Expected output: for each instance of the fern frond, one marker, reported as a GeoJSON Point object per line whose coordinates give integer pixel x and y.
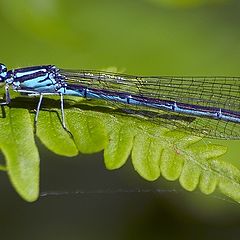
{"type": "Point", "coordinates": [155, 150]}
{"type": "Point", "coordinates": [18, 146]}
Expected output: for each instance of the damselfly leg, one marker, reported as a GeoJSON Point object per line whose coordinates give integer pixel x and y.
{"type": "Point", "coordinates": [37, 111]}
{"type": "Point", "coordinates": [7, 96]}
{"type": "Point", "coordinates": [62, 111]}
{"type": "Point", "coordinates": [39, 107]}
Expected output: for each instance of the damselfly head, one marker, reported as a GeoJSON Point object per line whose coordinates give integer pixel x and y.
{"type": "Point", "coordinates": [3, 72]}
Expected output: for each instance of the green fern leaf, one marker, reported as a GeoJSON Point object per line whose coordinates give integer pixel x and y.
{"type": "Point", "coordinates": [88, 131]}
{"type": "Point", "coordinates": [52, 134]}
{"type": "Point", "coordinates": [18, 146]}
{"type": "Point", "coordinates": [155, 151]}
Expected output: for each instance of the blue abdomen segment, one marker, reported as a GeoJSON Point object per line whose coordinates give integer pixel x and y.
{"type": "Point", "coordinates": [125, 98]}
{"type": "Point", "coordinates": [73, 90]}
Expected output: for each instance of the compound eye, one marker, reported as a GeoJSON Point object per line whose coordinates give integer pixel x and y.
{"type": "Point", "coordinates": [3, 71]}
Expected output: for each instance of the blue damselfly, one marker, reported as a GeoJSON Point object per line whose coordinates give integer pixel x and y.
{"type": "Point", "coordinates": [206, 106]}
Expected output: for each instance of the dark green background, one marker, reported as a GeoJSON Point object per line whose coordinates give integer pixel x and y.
{"type": "Point", "coordinates": [156, 37]}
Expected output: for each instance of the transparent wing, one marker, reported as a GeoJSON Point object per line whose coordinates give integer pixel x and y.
{"type": "Point", "coordinates": [218, 92]}
{"type": "Point", "coordinates": [204, 127]}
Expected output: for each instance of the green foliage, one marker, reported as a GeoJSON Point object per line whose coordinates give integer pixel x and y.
{"type": "Point", "coordinates": [51, 133]}
{"type": "Point", "coordinates": [92, 127]}
{"type": "Point", "coordinates": [187, 3]}
{"type": "Point", "coordinates": [21, 154]}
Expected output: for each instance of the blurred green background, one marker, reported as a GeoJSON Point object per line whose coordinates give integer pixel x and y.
{"type": "Point", "coordinates": [156, 37]}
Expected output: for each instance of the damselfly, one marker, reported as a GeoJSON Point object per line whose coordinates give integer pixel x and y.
{"type": "Point", "coordinates": [207, 106]}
